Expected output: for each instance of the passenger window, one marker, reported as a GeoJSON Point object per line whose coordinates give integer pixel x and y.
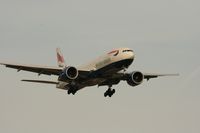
{"type": "Point", "coordinates": [127, 51]}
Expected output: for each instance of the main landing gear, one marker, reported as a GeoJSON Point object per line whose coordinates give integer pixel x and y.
{"type": "Point", "coordinates": [109, 92]}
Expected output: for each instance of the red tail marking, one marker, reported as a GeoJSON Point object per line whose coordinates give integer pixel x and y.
{"type": "Point", "coordinates": [60, 58]}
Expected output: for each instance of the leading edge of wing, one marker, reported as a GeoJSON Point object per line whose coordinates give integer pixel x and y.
{"type": "Point", "coordinates": [7, 64]}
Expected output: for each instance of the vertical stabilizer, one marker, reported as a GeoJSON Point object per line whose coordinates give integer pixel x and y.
{"type": "Point", "coordinates": [60, 58]}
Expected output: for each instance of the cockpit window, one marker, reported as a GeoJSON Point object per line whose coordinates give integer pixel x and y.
{"type": "Point", "coordinates": [127, 51]}
{"type": "Point", "coordinates": [115, 52]}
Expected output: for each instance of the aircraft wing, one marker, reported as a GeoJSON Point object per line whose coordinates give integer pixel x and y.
{"type": "Point", "coordinates": [47, 70]}
{"type": "Point", "coordinates": [117, 77]}
{"type": "Point", "coordinates": [150, 76]}
{"type": "Point", "coordinates": [124, 76]}
{"type": "Point", "coordinates": [35, 68]}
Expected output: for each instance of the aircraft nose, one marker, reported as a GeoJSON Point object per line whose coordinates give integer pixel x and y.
{"type": "Point", "coordinates": [132, 55]}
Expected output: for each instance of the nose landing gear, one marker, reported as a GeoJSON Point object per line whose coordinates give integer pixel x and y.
{"type": "Point", "coordinates": [72, 91]}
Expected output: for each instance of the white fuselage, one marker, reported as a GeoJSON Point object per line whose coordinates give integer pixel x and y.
{"type": "Point", "coordinates": [114, 56]}
{"type": "Point", "coordinates": [112, 62]}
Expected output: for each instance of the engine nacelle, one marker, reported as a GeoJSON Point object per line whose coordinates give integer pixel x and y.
{"type": "Point", "coordinates": [136, 78]}
{"type": "Point", "coordinates": [69, 73]}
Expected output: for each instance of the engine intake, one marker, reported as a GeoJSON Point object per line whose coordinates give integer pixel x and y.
{"type": "Point", "coordinates": [136, 78]}
{"type": "Point", "coordinates": [71, 72]}
{"type": "Point", "coordinates": [68, 74]}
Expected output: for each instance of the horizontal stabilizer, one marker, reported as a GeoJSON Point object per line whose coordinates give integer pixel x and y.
{"type": "Point", "coordinates": [41, 81]}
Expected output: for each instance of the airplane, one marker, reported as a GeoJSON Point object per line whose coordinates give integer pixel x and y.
{"type": "Point", "coordinates": [107, 70]}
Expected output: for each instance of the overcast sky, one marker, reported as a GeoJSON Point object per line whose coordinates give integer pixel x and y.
{"type": "Point", "coordinates": [165, 35]}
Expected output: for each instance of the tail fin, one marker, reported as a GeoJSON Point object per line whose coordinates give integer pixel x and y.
{"type": "Point", "coordinates": [60, 58]}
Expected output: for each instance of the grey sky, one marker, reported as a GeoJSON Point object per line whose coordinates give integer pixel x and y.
{"type": "Point", "coordinates": [163, 33]}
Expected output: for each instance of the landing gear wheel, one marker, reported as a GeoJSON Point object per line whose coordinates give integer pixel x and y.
{"type": "Point", "coordinates": [105, 94]}
{"type": "Point", "coordinates": [113, 91]}
{"type": "Point", "coordinates": [110, 95]}
{"type": "Point", "coordinates": [69, 92]}
{"type": "Point", "coordinates": [72, 91]}
{"type": "Point", "coordinates": [109, 92]}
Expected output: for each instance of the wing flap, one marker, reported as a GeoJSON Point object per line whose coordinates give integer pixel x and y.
{"type": "Point", "coordinates": [40, 81]}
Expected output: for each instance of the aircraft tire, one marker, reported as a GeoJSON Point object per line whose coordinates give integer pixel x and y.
{"type": "Point", "coordinates": [105, 94]}
{"type": "Point", "coordinates": [74, 92]}
{"type": "Point", "coordinates": [113, 91]}
{"type": "Point", "coordinates": [69, 92]}
{"type": "Point", "coordinates": [110, 95]}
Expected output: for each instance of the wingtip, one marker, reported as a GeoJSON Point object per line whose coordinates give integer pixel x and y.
{"type": "Point", "coordinates": [177, 74]}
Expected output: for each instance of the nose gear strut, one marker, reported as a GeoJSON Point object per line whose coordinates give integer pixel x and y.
{"type": "Point", "coordinates": [72, 90]}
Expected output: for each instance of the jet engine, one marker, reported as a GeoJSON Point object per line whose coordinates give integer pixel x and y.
{"type": "Point", "coordinates": [135, 78]}
{"type": "Point", "coordinates": [69, 73]}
